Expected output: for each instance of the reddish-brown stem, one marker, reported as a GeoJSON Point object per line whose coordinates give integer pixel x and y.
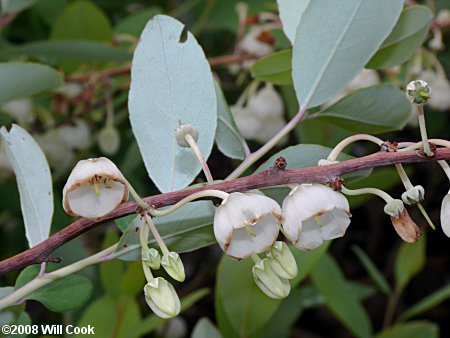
{"type": "Point", "coordinates": [125, 69]}
{"type": "Point", "coordinates": [271, 177]}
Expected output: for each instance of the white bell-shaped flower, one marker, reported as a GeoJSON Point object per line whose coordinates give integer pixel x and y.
{"type": "Point", "coordinates": [445, 214]}
{"type": "Point", "coordinates": [94, 188]}
{"type": "Point", "coordinates": [254, 42]}
{"type": "Point", "coordinates": [246, 223]}
{"type": "Point", "coordinates": [162, 298]}
{"type": "Point", "coordinates": [267, 103]}
{"type": "Point", "coordinates": [313, 213]}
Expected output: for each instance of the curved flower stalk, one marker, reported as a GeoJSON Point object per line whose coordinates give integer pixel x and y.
{"type": "Point", "coordinates": [313, 213]}
{"type": "Point", "coordinates": [246, 223]}
{"type": "Point", "coordinates": [94, 188]}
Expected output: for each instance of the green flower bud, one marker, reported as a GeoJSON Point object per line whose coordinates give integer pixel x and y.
{"type": "Point", "coordinates": [414, 195]}
{"type": "Point", "coordinates": [109, 140]}
{"type": "Point", "coordinates": [418, 92]}
{"type": "Point", "coordinates": [269, 282]}
{"type": "Point", "coordinates": [394, 208]}
{"type": "Point", "coordinates": [152, 258]}
{"type": "Point", "coordinates": [173, 265]}
{"type": "Point", "coordinates": [162, 298]}
{"type": "Point", "coordinates": [282, 261]}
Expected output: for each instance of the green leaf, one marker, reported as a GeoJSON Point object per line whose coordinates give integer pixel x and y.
{"type": "Point", "coordinates": [223, 322]}
{"type": "Point", "coordinates": [290, 14]}
{"type": "Point", "coordinates": [79, 50]}
{"type": "Point", "coordinates": [48, 10]}
{"type": "Point", "coordinates": [410, 260]}
{"type": "Point", "coordinates": [111, 272]}
{"type": "Point", "coordinates": [205, 329]}
{"type": "Point", "coordinates": [60, 295]}
{"type": "Point", "coordinates": [374, 110]}
{"type": "Point", "coordinates": [178, 75]}
{"type": "Point", "coordinates": [82, 20]}
{"type": "Point", "coordinates": [134, 24]}
{"type": "Point", "coordinates": [327, 56]}
{"type": "Point", "coordinates": [188, 228]}
{"type": "Point", "coordinates": [34, 181]}
{"type": "Point", "coordinates": [228, 138]}
{"type": "Point", "coordinates": [275, 68]}
{"type": "Point", "coordinates": [418, 329]}
{"type": "Point", "coordinates": [111, 318]}
{"type": "Point", "coordinates": [427, 303]}
{"type": "Point", "coordinates": [245, 306]}
{"type": "Point", "coordinates": [372, 270]}
{"type": "Point", "coordinates": [308, 155]}
{"type": "Point", "coordinates": [152, 322]}
{"type": "Point", "coordinates": [133, 279]}
{"type": "Point", "coordinates": [408, 35]}
{"type": "Point", "coordinates": [330, 281]}
{"type": "Point", "coordinates": [26, 79]}
{"type": "Point", "coordinates": [307, 260]}
{"type": "Point", "coordinates": [15, 6]}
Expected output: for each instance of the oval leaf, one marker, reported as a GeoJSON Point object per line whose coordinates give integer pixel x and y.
{"type": "Point", "coordinates": [187, 229]}
{"type": "Point", "coordinates": [171, 81]}
{"type": "Point", "coordinates": [410, 260]}
{"type": "Point", "coordinates": [376, 109]}
{"type": "Point", "coordinates": [204, 328]}
{"type": "Point", "coordinates": [34, 181]}
{"type": "Point", "coordinates": [335, 40]}
{"type": "Point", "coordinates": [407, 35]}
{"type": "Point", "coordinates": [26, 79]}
{"type": "Point", "coordinates": [417, 329]}
{"type": "Point", "coordinates": [275, 68]}
{"type": "Point", "coordinates": [328, 278]}
{"type": "Point", "coordinates": [245, 306]}
{"type": "Point", "coordinates": [60, 295]}
{"type": "Point", "coordinates": [290, 14]}
{"type": "Point", "coordinates": [229, 139]}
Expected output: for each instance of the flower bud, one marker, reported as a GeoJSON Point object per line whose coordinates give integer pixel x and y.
{"type": "Point", "coordinates": [418, 92]}
{"type": "Point", "coordinates": [173, 265]}
{"type": "Point", "coordinates": [152, 258]}
{"type": "Point", "coordinates": [269, 282]}
{"type": "Point", "coordinates": [414, 195]}
{"type": "Point", "coordinates": [162, 298]}
{"type": "Point", "coordinates": [109, 140]}
{"type": "Point", "coordinates": [282, 261]}
{"type": "Point", "coordinates": [182, 131]}
{"type": "Point", "coordinates": [394, 208]}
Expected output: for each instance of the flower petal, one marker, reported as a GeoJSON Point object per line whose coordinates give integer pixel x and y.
{"type": "Point", "coordinates": [445, 214]}
{"type": "Point", "coordinates": [310, 236]}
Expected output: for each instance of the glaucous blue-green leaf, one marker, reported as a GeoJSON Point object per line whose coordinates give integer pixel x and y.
{"type": "Point", "coordinates": [376, 109]}
{"type": "Point", "coordinates": [228, 137]}
{"type": "Point", "coordinates": [410, 260]}
{"type": "Point", "coordinates": [334, 40]}
{"type": "Point", "coordinates": [329, 280]}
{"type": "Point", "coordinates": [187, 229]}
{"type": "Point", "coordinates": [408, 35]}
{"type": "Point", "coordinates": [427, 303]}
{"type": "Point", "coordinates": [15, 6]}
{"type": "Point", "coordinates": [245, 306]}
{"type": "Point", "coordinates": [80, 50]}
{"type": "Point", "coordinates": [275, 68]}
{"type": "Point", "coordinates": [171, 81]}
{"type": "Point", "coordinates": [18, 80]}
{"type": "Point", "coordinates": [134, 24]}
{"type": "Point", "coordinates": [205, 329]}
{"type": "Point", "coordinates": [290, 14]}
{"type": "Point", "coordinates": [34, 181]}
{"type": "Point", "coordinates": [308, 155]}
{"type": "Point", "coordinates": [372, 270]}
{"type": "Point", "coordinates": [82, 20]}
{"type": "Point", "coordinates": [416, 329]}
{"type": "Point", "coordinates": [60, 295]}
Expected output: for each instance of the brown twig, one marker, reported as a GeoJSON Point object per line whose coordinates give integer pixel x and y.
{"type": "Point", "coordinates": [125, 69]}
{"type": "Point", "coordinates": [270, 177]}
